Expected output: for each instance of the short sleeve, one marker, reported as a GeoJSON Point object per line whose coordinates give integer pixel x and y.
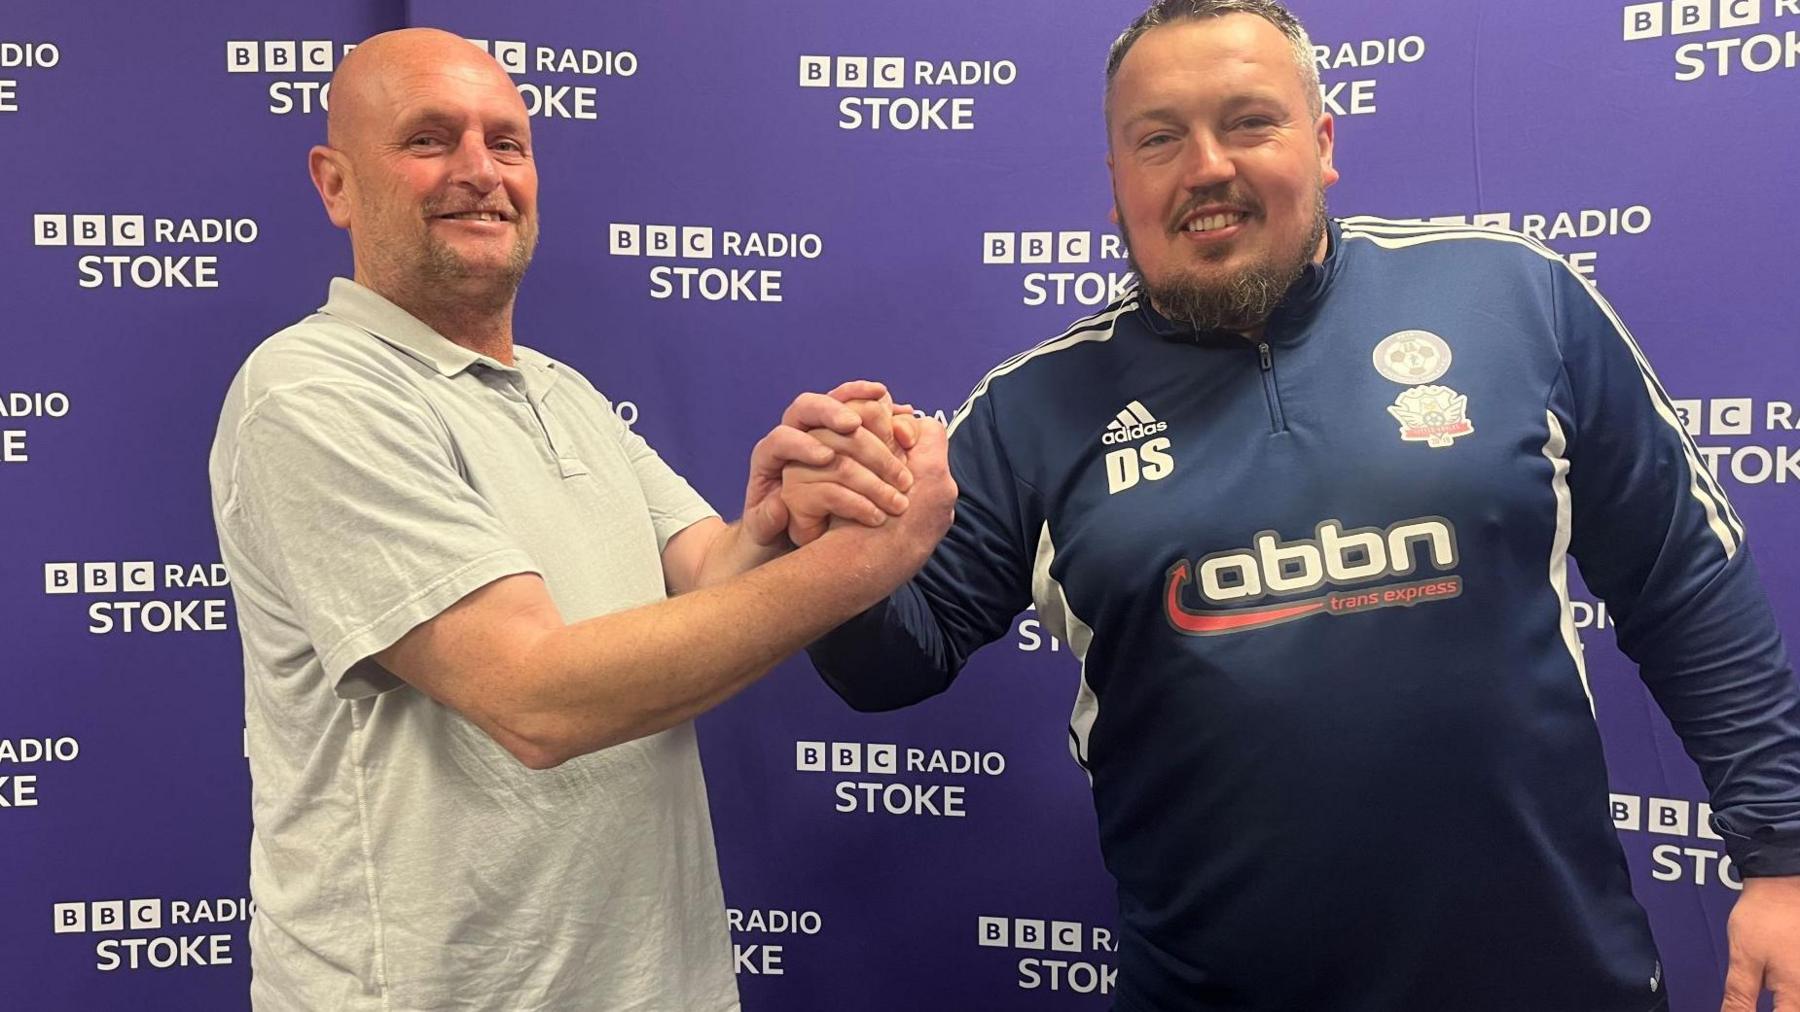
{"type": "Point", "coordinates": [674, 505]}
{"type": "Point", "coordinates": [350, 500]}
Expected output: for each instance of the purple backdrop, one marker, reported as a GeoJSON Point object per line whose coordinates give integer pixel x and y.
{"type": "Point", "coordinates": [157, 223]}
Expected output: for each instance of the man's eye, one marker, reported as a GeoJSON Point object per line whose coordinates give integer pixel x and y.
{"type": "Point", "coordinates": [1157, 139]}
{"type": "Point", "coordinates": [422, 141]}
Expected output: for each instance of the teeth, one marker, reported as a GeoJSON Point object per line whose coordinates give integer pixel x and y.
{"type": "Point", "coordinates": [1214, 222]}
{"type": "Point", "coordinates": [477, 216]}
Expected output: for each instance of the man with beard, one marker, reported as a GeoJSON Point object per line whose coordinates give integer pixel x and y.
{"type": "Point", "coordinates": [1302, 505]}
{"type": "Point", "coordinates": [479, 614]}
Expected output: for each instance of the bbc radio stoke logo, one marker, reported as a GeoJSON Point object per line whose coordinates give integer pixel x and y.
{"type": "Point", "coordinates": [286, 59]}
{"type": "Point", "coordinates": [1690, 862]}
{"type": "Point", "coordinates": [1753, 456]}
{"type": "Point", "coordinates": [1070, 262]}
{"type": "Point", "coordinates": [17, 56]}
{"type": "Point", "coordinates": [1569, 230]}
{"type": "Point", "coordinates": [142, 270]}
{"type": "Point", "coordinates": [543, 98]}
{"type": "Point", "coordinates": [1056, 955]}
{"type": "Point", "coordinates": [17, 407]}
{"type": "Point", "coordinates": [764, 958]}
{"type": "Point", "coordinates": [858, 794]}
{"type": "Point", "coordinates": [868, 77]}
{"type": "Point", "coordinates": [746, 275]}
{"type": "Point", "coordinates": [1743, 51]}
{"type": "Point", "coordinates": [559, 100]}
{"type": "Point", "coordinates": [22, 790]}
{"type": "Point", "coordinates": [1357, 97]}
{"type": "Point", "coordinates": [142, 577]}
{"type": "Point", "coordinates": [169, 948]}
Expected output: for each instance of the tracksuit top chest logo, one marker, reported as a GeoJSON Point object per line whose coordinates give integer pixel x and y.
{"type": "Point", "coordinates": [1148, 460]}
{"type": "Point", "coordinates": [1334, 556]}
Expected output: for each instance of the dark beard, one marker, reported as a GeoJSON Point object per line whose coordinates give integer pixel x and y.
{"type": "Point", "coordinates": [1243, 301]}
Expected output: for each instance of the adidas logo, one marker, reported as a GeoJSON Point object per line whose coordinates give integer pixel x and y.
{"type": "Point", "coordinates": [1132, 423]}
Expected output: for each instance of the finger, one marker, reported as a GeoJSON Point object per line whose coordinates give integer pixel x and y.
{"type": "Point", "coordinates": [931, 453]}
{"type": "Point", "coordinates": [813, 411]}
{"type": "Point", "coordinates": [822, 500]}
{"type": "Point", "coordinates": [877, 417]}
{"type": "Point", "coordinates": [1743, 983]}
{"type": "Point", "coordinates": [906, 430]}
{"type": "Point", "coordinates": [766, 520]}
{"type": "Point", "coordinates": [854, 477]}
{"type": "Point", "coordinates": [860, 390]}
{"type": "Point", "coordinates": [804, 532]}
{"type": "Point", "coordinates": [786, 445]}
{"type": "Point", "coordinates": [864, 447]}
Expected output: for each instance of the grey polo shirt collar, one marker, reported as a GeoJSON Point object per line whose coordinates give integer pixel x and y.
{"type": "Point", "coordinates": [364, 309]}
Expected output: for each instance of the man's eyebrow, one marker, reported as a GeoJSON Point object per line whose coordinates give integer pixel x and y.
{"type": "Point", "coordinates": [434, 117]}
{"type": "Point", "coordinates": [427, 117]}
{"type": "Point", "coordinates": [1159, 114]}
{"type": "Point", "coordinates": [1258, 97]}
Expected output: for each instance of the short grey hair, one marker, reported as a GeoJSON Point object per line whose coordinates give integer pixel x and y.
{"type": "Point", "coordinates": [1163, 12]}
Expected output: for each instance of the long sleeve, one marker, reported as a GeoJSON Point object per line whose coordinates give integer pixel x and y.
{"type": "Point", "coordinates": [1657, 539]}
{"type": "Point", "coordinates": [912, 645]}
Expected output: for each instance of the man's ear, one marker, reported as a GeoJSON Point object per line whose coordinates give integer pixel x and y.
{"type": "Point", "coordinates": [331, 176]}
{"type": "Point", "coordinates": [1327, 136]}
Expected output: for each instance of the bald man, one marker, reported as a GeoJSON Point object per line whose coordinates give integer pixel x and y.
{"type": "Point", "coordinates": [479, 614]}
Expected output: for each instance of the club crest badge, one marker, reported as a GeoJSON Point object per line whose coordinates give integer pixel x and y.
{"type": "Point", "coordinates": [1412, 357]}
{"type": "Point", "coordinates": [1433, 415]}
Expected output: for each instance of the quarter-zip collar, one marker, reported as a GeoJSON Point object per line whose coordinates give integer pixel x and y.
{"type": "Point", "coordinates": [1302, 300]}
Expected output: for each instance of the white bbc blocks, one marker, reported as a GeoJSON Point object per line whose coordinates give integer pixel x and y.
{"type": "Point", "coordinates": [1037, 247]}
{"type": "Point", "coordinates": [1029, 933]}
{"type": "Point", "coordinates": [286, 56]}
{"type": "Point", "coordinates": [99, 577]}
{"type": "Point", "coordinates": [107, 915]}
{"type": "Point", "coordinates": [853, 72]}
{"type": "Point", "coordinates": [87, 230]}
{"type": "Point", "coordinates": [845, 757]}
{"type": "Point", "coordinates": [1689, 17]}
{"type": "Point", "coordinates": [687, 242]}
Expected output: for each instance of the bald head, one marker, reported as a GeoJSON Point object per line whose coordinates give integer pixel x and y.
{"type": "Point", "coordinates": [429, 167]}
{"type": "Point", "coordinates": [388, 68]}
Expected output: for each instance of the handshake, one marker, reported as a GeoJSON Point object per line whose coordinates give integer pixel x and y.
{"type": "Point", "coordinates": [852, 459]}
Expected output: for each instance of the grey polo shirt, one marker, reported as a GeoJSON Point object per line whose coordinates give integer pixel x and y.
{"type": "Point", "coordinates": [367, 473]}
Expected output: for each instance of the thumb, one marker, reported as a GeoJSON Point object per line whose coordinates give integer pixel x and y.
{"type": "Point", "coordinates": [767, 520]}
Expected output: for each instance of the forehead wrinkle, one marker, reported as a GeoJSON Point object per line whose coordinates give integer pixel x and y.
{"type": "Point", "coordinates": [383, 72]}
{"type": "Point", "coordinates": [1229, 48]}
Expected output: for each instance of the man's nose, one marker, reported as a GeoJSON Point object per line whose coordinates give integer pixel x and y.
{"type": "Point", "coordinates": [473, 165]}
{"type": "Point", "coordinates": [1206, 162]}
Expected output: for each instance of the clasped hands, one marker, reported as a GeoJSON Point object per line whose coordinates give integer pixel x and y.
{"type": "Point", "coordinates": [851, 457]}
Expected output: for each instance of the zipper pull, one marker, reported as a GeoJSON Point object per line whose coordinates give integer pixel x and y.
{"type": "Point", "coordinates": [1268, 360]}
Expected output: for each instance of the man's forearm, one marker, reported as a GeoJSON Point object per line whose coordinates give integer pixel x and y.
{"type": "Point", "coordinates": [614, 678]}
{"type": "Point", "coordinates": [733, 552]}
{"type": "Point", "coordinates": [893, 654]}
